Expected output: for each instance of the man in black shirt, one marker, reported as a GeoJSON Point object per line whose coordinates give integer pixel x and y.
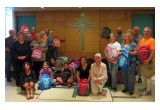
{"type": "Point", "coordinates": [8, 42]}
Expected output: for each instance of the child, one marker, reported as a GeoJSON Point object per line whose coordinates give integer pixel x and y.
{"type": "Point", "coordinates": [66, 75]}
{"type": "Point", "coordinates": [52, 64]}
{"type": "Point", "coordinates": [28, 80]}
{"type": "Point", "coordinates": [46, 70]}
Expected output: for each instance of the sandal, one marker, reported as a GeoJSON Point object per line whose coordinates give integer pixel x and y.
{"type": "Point", "coordinates": [103, 93]}
{"type": "Point", "coordinates": [28, 97]}
{"type": "Point", "coordinates": [32, 96]}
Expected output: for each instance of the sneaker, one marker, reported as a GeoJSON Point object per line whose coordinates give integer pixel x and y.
{"type": "Point", "coordinates": [142, 89]}
{"type": "Point", "coordinates": [145, 93]}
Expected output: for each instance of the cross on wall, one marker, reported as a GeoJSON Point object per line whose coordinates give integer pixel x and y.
{"type": "Point", "coordinates": [82, 25]}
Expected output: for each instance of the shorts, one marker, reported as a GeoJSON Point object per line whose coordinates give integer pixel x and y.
{"type": "Point", "coordinates": [147, 70]}
{"type": "Point", "coordinates": [28, 80]}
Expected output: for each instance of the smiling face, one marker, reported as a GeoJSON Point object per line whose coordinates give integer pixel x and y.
{"type": "Point", "coordinates": [83, 61]}
{"type": "Point", "coordinates": [97, 60]}
{"type": "Point", "coordinates": [20, 37]}
{"type": "Point", "coordinates": [147, 32]}
{"type": "Point", "coordinates": [45, 66]}
{"type": "Point", "coordinates": [27, 67]}
{"type": "Point", "coordinates": [112, 38]}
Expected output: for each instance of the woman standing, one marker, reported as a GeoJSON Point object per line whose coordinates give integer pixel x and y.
{"type": "Point", "coordinates": [21, 52]}
{"type": "Point", "coordinates": [116, 47]}
{"type": "Point", "coordinates": [40, 45]}
{"type": "Point", "coordinates": [129, 75]}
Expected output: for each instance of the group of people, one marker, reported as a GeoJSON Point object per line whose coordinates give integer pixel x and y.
{"type": "Point", "coordinates": [28, 71]}
{"type": "Point", "coordinates": [131, 42]}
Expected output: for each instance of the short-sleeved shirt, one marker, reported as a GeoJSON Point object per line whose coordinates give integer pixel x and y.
{"type": "Point", "coordinates": [115, 46]}
{"type": "Point", "coordinates": [35, 43]}
{"type": "Point", "coordinates": [49, 72]}
{"type": "Point", "coordinates": [149, 42]}
{"type": "Point", "coordinates": [130, 48]}
{"type": "Point", "coordinates": [84, 73]}
{"type": "Point", "coordinates": [137, 39]}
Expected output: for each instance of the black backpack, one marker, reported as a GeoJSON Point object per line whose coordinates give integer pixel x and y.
{"type": "Point", "coordinates": [106, 33]}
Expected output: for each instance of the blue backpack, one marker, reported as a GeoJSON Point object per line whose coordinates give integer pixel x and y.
{"type": "Point", "coordinates": [106, 33]}
{"type": "Point", "coordinates": [123, 61]}
{"type": "Point", "coordinates": [45, 82]}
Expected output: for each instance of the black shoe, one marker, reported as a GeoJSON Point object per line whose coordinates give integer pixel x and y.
{"type": "Point", "coordinates": [124, 91]}
{"type": "Point", "coordinates": [131, 93]}
{"type": "Point", "coordinates": [114, 89]}
{"type": "Point", "coordinates": [9, 80]}
{"type": "Point", "coordinates": [18, 84]}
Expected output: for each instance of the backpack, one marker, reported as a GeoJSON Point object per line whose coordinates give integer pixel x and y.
{"type": "Point", "coordinates": [64, 58]}
{"type": "Point", "coordinates": [143, 53]}
{"type": "Point", "coordinates": [106, 33]}
{"type": "Point", "coordinates": [59, 63]}
{"type": "Point", "coordinates": [36, 54]}
{"type": "Point", "coordinates": [90, 61]}
{"type": "Point", "coordinates": [65, 75]}
{"type": "Point", "coordinates": [83, 87]}
{"type": "Point", "coordinates": [123, 61]}
{"type": "Point", "coordinates": [45, 82]}
{"type": "Point", "coordinates": [108, 51]}
{"type": "Point", "coordinates": [56, 42]}
{"type": "Point", "coordinates": [23, 27]}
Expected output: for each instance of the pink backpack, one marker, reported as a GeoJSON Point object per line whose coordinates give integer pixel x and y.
{"type": "Point", "coordinates": [23, 27]}
{"type": "Point", "coordinates": [143, 53]}
{"type": "Point", "coordinates": [108, 51]}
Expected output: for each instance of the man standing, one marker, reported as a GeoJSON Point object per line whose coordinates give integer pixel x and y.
{"type": "Point", "coordinates": [147, 69]}
{"type": "Point", "coordinates": [136, 36]}
{"type": "Point", "coordinates": [8, 42]}
{"type": "Point", "coordinates": [119, 37]}
{"type": "Point", "coordinates": [33, 33]}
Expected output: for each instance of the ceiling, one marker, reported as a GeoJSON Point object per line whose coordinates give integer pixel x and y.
{"type": "Point", "coordinates": [14, 9]}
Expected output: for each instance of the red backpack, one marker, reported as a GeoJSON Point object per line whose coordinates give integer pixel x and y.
{"type": "Point", "coordinates": [37, 54]}
{"type": "Point", "coordinates": [83, 87]}
{"type": "Point", "coordinates": [143, 53]}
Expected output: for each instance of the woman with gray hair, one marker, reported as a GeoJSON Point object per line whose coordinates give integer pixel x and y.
{"type": "Point", "coordinates": [115, 47]}
{"type": "Point", "coordinates": [98, 75]}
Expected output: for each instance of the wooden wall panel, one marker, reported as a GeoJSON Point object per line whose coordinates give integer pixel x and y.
{"type": "Point", "coordinates": [44, 16]}
{"type": "Point", "coordinates": [41, 25]}
{"type": "Point", "coordinates": [59, 16]}
{"type": "Point", "coordinates": [112, 15]}
{"type": "Point", "coordinates": [59, 22]}
{"type": "Point", "coordinates": [59, 29]}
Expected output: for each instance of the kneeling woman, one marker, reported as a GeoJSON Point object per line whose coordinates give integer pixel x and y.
{"type": "Point", "coordinates": [28, 80]}
{"type": "Point", "coordinates": [66, 77]}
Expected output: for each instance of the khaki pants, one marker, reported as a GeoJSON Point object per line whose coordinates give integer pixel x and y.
{"type": "Point", "coordinates": [147, 70]}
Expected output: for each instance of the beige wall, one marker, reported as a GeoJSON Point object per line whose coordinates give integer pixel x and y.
{"type": "Point", "coordinates": [71, 41]}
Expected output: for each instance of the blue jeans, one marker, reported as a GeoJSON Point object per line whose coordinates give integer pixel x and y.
{"type": "Point", "coordinates": [129, 77]}
{"type": "Point", "coordinates": [7, 65]}
{"type": "Point", "coordinates": [113, 71]}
